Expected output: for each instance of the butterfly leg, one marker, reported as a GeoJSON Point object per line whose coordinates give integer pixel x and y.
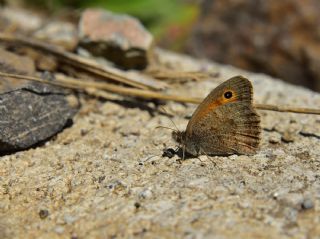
{"type": "Point", "coordinates": [204, 152]}
{"type": "Point", "coordinates": [183, 152]}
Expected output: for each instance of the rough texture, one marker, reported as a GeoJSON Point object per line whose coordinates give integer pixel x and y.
{"type": "Point", "coordinates": [63, 34]}
{"type": "Point", "coordinates": [30, 115]}
{"type": "Point", "coordinates": [30, 112]}
{"type": "Point", "coordinates": [14, 64]}
{"type": "Point", "coordinates": [280, 38]}
{"type": "Point", "coordinates": [105, 177]}
{"type": "Point", "coordinates": [121, 39]}
{"type": "Point", "coordinates": [19, 20]}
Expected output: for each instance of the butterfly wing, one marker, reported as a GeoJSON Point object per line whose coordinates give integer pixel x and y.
{"type": "Point", "coordinates": [225, 122]}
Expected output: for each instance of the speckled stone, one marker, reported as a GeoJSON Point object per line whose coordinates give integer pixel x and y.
{"type": "Point", "coordinates": [145, 195]}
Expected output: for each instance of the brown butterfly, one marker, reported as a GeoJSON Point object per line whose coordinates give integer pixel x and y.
{"type": "Point", "coordinates": [224, 123]}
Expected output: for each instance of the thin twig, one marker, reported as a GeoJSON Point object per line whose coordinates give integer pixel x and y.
{"type": "Point", "coordinates": [291, 109]}
{"type": "Point", "coordinates": [73, 83]}
{"type": "Point", "coordinates": [77, 61]}
{"type": "Point", "coordinates": [171, 75]}
{"type": "Point", "coordinates": [147, 94]}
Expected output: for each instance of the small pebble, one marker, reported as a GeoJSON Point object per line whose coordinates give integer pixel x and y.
{"type": "Point", "coordinates": [244, 204]}
{"type": "Point", "coordinates": [43, 213]}
{"type": "Point", "coordinates": [307, 204]}
{"type": "Point", "coordinates": [59, 229]}
{"type": "Point", "coordinates": [275, 138]}
{"type": "Point", "coordinates": [146, 194]}
{"type": "Point", "coordinates": [69, 219]}
{"type": "Point", "coordinates": [288, 137]}
{"type": "Point", "coordinates": [137, 205]}
{"type": "Point", "coordinates": [84, 132]}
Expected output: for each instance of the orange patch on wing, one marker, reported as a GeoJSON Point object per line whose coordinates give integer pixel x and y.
{"type": "Point", "coordinates": [214, 104]}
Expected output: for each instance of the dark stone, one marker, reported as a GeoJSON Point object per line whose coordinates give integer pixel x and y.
{"type": "Point", "coordinates": [43, 213]}
{"type": "Point", "coordinates": [137, 205]}
{"type": "Point", "coordinates": [32, 114]}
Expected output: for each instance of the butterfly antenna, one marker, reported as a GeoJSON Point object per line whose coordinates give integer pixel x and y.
{"type": "Point", "coordinates": [164, 110]}
{"type": "Point", "coordinates": [174, 124]}
{"type": "Point", "coordinates": [164, 127]}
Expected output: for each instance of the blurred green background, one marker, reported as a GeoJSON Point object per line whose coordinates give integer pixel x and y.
{"type": "Point", "coordinates": [170, 21]}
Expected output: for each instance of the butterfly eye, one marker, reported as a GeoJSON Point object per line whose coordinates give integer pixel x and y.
{"type": "Point", "coordinates": [228, 94]}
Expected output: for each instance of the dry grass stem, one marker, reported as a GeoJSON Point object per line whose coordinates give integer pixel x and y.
{"type": "Point", "coordinates": [77, 61]}
{"type": "Point", "coordinates": [96, 89]}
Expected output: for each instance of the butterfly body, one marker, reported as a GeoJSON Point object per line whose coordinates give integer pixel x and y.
{"type": "Point", "coordinates": [224, 123]}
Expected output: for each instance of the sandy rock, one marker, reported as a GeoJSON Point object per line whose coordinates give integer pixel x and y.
{"type": "Point", "coordinates": [273, 194]}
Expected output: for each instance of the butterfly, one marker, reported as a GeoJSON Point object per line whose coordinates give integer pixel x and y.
{"type": "Point", "coordinates": [224, 123]}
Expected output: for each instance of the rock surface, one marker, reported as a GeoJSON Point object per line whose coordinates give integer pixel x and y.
{"type": "Point", "coordinates": [104, 177]}
{"type": "Point", "coordinates": [121, 39]}
{"type": "Point", "coordinates": [20, 20]}
{"type": "Point", "coordinates": [30, 112]}
{"type": "Point", "coordinates": [63, 34]}
{"type": "Point", "coordinates": [14, 64]}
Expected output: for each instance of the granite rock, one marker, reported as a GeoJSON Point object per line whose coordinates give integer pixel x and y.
{"type": "Point", "coordinates": [145, 195]}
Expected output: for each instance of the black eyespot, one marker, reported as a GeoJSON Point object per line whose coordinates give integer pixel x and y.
{"type": "Point", "coordinates": [228, 94]}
